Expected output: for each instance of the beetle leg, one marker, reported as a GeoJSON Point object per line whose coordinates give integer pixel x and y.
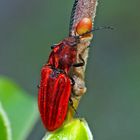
{"type": "Point", "coordinates": [72, 84]}
{"type": "Point", "coordinates": [80, 64]}
{"type": "Point", "coordinates": [71, 104]}
{"type": "Point", "coordinates": [74, 95]}
{"type": "Point", "coordinates": [72, 81]}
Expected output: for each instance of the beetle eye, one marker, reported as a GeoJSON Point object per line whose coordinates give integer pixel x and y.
{"type": "Point", "coordinates": [85, 25]}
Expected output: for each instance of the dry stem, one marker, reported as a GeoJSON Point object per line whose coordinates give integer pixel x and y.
{"type": "Point", "coordinates": [84, 8]}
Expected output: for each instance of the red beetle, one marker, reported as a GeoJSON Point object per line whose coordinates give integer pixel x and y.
{"type": "Point", "coordinates": [53, 97]}
{"type": "Point", "coordinates": [55, 86]}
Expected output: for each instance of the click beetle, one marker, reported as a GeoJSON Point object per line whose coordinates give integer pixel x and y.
{"type": "Point", "coordinates": [56, 85]}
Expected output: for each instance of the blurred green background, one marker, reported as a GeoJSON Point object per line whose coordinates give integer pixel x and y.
{"type": "Point", "coordinates": [112, 103]}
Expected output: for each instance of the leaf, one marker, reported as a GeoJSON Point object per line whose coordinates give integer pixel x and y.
{"type": "Point", "coordinates": [20, 107]}
{"type": "Point", "coordinates": [74, 130]}
{"type": "Point", "coordinates": [5, 129]}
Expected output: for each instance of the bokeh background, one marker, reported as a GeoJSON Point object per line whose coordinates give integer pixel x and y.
{"type": "Point", "coordinates": [112, 103]}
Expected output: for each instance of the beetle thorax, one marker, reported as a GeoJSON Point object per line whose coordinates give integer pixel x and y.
{"type": "Point", "coordinates": [63, 55]}
{"type": "Point", "coordinates": [67, 57]}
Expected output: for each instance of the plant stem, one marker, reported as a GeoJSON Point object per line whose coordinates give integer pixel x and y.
{"type": "Point", "coordinates": [81, 9]}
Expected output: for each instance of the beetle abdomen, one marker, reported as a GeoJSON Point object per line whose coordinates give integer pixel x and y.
{"type": "Point", "coordinates": [53, 97]}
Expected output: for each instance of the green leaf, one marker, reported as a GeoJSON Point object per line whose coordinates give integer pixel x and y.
{"type": "Point", "coordinates": [20, 107]}
{"type": "Point", "coordinates": [74, 130]}
{"type": "Point", "coordinates": [5, 129]}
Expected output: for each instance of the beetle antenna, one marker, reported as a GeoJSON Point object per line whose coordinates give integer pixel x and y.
{"type": "Point", "coordinates": [98, 28]}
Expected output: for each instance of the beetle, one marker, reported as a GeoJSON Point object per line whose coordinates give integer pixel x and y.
{"type": "Point", "coordinates": [56, 84]}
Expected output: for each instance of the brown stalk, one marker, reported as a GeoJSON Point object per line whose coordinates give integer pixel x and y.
{"type": "Point", "coordinates": [81, 9]}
